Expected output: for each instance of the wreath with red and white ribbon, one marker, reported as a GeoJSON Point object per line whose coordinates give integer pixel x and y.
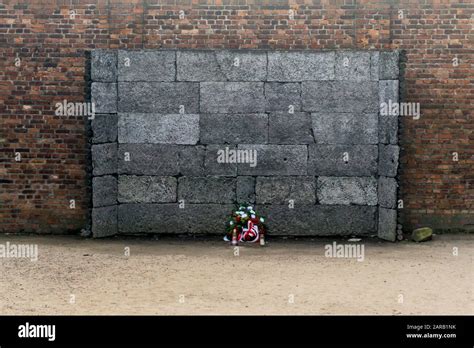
{"type": "Point", "coordinates": [245, 224]}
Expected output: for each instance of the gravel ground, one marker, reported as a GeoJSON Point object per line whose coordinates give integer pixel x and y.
{"type": "Point", "coordinates": [204, 276]}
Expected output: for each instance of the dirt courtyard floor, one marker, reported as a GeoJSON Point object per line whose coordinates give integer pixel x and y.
{"type": "Point", "coordinates": [204, 276]}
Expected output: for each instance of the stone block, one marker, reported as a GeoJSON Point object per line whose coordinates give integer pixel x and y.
{"type": "Point", "coordinates": [158, 97]}
{"type": "Point", "coordinates": [219, 160]}
{"type": "Point", "coordinates": [285, 128]}
{"type": "Point", "coordinates": [148, 159]}
{"type": "Point", "coordinates": [342, 160]}
{"type": "Point", "coordinates": [245, 189]}
{"type": "Point", "coordinates": [209, 189]}
{"type": "Point", "coordinates": [389, 65]}
{"type": "Point", "coordinates": [221, 66]}
{"type": "Point", "coordinates": [353, 65]}
{"type": "Point", "coordinates": [374, 65]}
{"type": "Point", "coordinates": [388, 160]}
{"type": "Point", "coordinates": [233, 128]}
{"type": "Point", "coordinates": [103, 65]}
{"type": "Point", "coordinates": [274, 160]}
{"type": "Point", "coordinates": [280, 190]}
{"type": "Point", "coordinates": [104, 159]}
{"type": "Point", "coordinates": [387, 224]}
{"type": "Point", "coordinates": [104, 191]}
{"type": "Point", "coordinates": [340, 96]}
{"type": "Point", "coordinates": [104, 221]}
{"type": "Point", "coordinates": [192, 160]}
{"type": "Point", "coordinates": [104, 129]}
{"type": "Point", "coordinates": [387, 191]}
{"type": "Point", "coordinates": [146, 189]}
{"type": "Point", "coordinates": [146, 65]}
{"type": "Point", "coordinates": [232, 97]}
{"type": "Point", "coordinates": [345, 128]}
{"type": "Point", "coordinates": [282, 97]}
{"type": "Point", "coordinates": [104, 97]}
{"type": "Point", "coordinates": [347, 190]}
{"type": "Point", "coordinates": [158, 128]}
{"type": "Point", "coordinates": [300, 66]}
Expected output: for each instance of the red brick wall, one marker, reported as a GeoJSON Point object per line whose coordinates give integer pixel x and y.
{"type": "Point", "coordinates": [35, 192]}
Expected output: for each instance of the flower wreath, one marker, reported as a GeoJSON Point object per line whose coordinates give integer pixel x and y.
{"type": "Point", "coordinates": [247, 225]}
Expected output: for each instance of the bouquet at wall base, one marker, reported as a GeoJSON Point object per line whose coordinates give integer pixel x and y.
{"type": "Point", "coordinates": [245, 225]}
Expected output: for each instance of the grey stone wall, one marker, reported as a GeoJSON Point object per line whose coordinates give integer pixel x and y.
{"type": "Point", "coordinates": [326, 159]}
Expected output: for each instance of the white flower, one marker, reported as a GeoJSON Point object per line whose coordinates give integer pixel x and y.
{"type": "Point", "coordinates": [249, 208]}
{"type": "Point", "coordinates": [239, 212]}
{"type": "Point", "coordinates": [262, 220]}
{"type": "Point", "coordinates": [251, 212]}
{"type": "Point", "coordinates": [243, 215]}
{"type": "Point", "coordinates": [252, 216]}
{"type": "Point", "coordinates": [231, 223]}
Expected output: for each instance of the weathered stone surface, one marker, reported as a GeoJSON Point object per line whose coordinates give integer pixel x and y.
{"type": "Point", "coordinates": [104, 221]}
{"type": "Point", "coordinates": [146, 189]}
{"type": "Point", "coordinates": [158, 97]}
{"type": "Point", "coordinates": [345, 128]}
{"type": "Point", "coordinates": [422, 234]}
{"type": "Point", "coordinates": [191, 160]}
{"type": "Point", "coordinates": [388, 116]}
{"type": "Point", "coordinates": [104, 129]}
{"type": "Point", "coordinates": [232, 97]}
{"type": "Point", "coordinates": [104, 97]}
{"type": "Point", "coordinates": [387, 224]}
{"type": "Point", "coordinates": [233, 128]}
{"type": "Point", "coordinates": [329, 160]}
{"type": "Point", "coordinates": [280, 190]}
{"type": "Point", "coordinates": [245, 189]}
{"type": "Point", "coordinates": [169, 218]}
{"type": "Point", "coordinates": [104, 66]}
{"type": "Point", "coordinates": [275, 160]}
{"type": "Point", "coordinates": [148, 159]}
{"type": "Point", "coordinates": [347, 190]}
{"type": "Point", "coordinates": [387, 191]}
{"type": "Point", "coordinates": [300, 66]}
{"type": "Point", "coordinates": [340, 96]}
{"type": "Point", "coordinates": [282, 97]}
{"type": "Point", "coordinates": [388, 65]}
{"type": "Point", "coordinates": [104, 191]}
{"type": "Point", "coordinates": [388, 92]}
{"type": "Point", "coordinates": [353, 65]}
{"type": "Point", "coordinates": [374, 65]}
{"type": "Point", "coordinates": [217, 163]}
{"type": "Point", "coordinates": [158, 128]}
{"type": "Point", "coordinates": [104, 159]}
{"type": "Point", "coordinates": [320, 220]}
{"type": "Point", "coordinates": [209, 189]}
{"type": "Point", "coordinates": [146, 65]}
{"type": "Point", "coordinates": [285, 128]}
{"type": "Point", "coordinates": [388, 160]}
{"type": "Point", "coordinates": [221, 66]}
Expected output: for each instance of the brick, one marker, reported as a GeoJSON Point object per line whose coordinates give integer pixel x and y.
{"type": "Point", "coordinates": [104, 66]}
{"type": "Point", "coordinates": [340, 96]}
{"type": "Point", "coordinates": [281, 97]}
{"type": "Point", "coordinates": [104, 159]}
{"type": "Point", "coordinates": [148, 159]}
{"type": "Point", "coordinates": [300, 66]}
{"type": "Point", "coordinates": [345, 128]}
{"type": "Point", "coordinates": [285, 128]}
{"type": "Point", "coordinates": [388, 160]}
{"type": "Point", "coordinates": [146, 65]}
{"type": "Point", "coordinates": [104, 221]}
{"type": "Point", "coordinates": [226, 65]}
{"type": "Point", "coordinates": [146, 189]}
{"type": "Point", "coordinates": [328, 160]}
{"type": "Point", "coordinates": [209, 189]}
{"type": "Point", "coordinates": [353, 65]}
{"type": "Point", "coordinates": [280, 190]}
{"type": "Point", "coordinates": [387, 224]}
{"type": "Point", "coordinates": [232, 97]}
{"type": "Point", "coordinates": [347, 190]}
{"type": "Point", "coordinates": [158, 97]}
{"type": "Point", "coordinates": [320, 220]}
{"type": "Point", "coordinates": [104, 97]}
{"type": "Point", "coordinates": [104, 191]}
{"type": "Point", "coordinates": [275, 160]}
{"type": "Point", "coordinates": [233, 128]}
{"type": "Point", "coordinates": [245, 192]}
{"type": "Point", "coordinates": [387, 192]}
{"type": "Point", "coordinates": [104, 129]}
{"type": "Point", "coordinates": [158, 128]}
